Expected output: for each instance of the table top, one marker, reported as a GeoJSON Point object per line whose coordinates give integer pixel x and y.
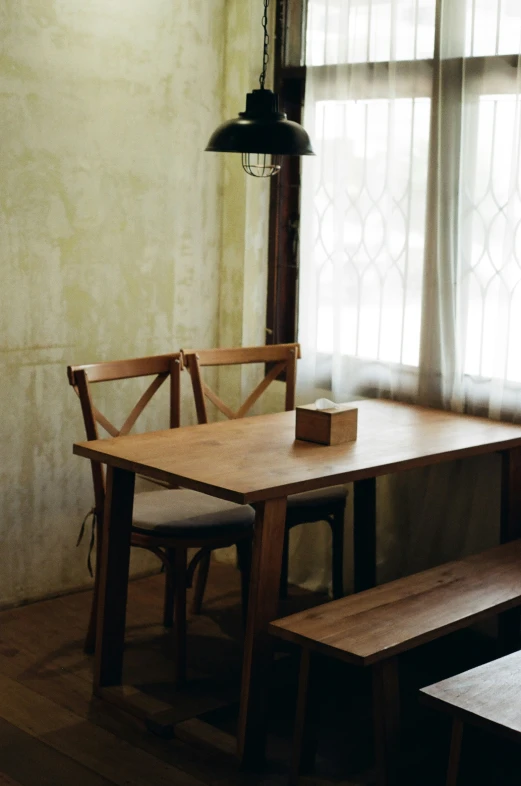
{"type": "Point", "coordinates": [257, 458]}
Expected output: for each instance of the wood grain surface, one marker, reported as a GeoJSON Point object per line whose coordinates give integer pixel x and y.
{"type": "Point", "coordinates": [258, 458]}
{"type": "Point", "coordinates": [373, 625]}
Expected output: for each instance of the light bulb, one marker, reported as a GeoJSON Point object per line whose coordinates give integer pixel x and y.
{"type": "Point", "coordinates": [261, 164]}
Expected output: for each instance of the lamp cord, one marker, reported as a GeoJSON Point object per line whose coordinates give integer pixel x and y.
{"type": "Point", "coordinates": [265, 59]}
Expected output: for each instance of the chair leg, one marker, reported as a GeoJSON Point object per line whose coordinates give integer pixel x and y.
{"type": "Point", "coordinates": [180, 615]}
{"type": "Point", "coordinates": [337, 554]}
{"type": "Point", "coordinates": [90, 639]}
{"type": "Point", "coordinates": [200, 582]}
{"type": "Point", "coordinates": [455, 752]}
{"type": "Point", "coordinates": [283, 590]}
{"type": "Point", "coordinates": [244, 561]}
{"type": "Point", "coordinates": [168, 608]}
{"type": "Point", "coordinates": [305, 733]}
{"type": "Point", "coordinates": [386, 719]}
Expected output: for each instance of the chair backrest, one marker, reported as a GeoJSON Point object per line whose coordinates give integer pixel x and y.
{"type": "Point", "coordinates": [162, 367]}
{"type": "Point", "coordinates": [278, 357]}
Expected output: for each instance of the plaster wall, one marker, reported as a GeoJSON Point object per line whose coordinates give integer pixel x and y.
{"type": "Point", "coordinates": [110, 239]}
{"type": "Point", "coordinates": [242, 307]}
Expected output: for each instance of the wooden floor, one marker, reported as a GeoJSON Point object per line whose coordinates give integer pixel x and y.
{"type": "Point", "coordinates": [52, 733]}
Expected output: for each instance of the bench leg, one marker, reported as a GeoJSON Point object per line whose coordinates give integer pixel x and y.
{"type": "Point", "coordinates": [509, 632]}
{"type": "Point", "coordinates": [386, 719]}
{"type": "Point", "coordinates": [306, 718]}
{"type": "Point", "coordinates": [455, 752]}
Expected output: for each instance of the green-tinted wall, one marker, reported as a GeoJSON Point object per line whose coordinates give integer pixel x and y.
{"type": "Point", "coordinates": [245, 208]}
{"type": "Point", "coordinates": [111, 221]}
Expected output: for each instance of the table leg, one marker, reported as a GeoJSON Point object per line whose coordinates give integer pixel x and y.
{"type": "Point", "coordinates": [115, 557]}
{"type": "Point", "coordinates": [364, 534]}
{"type": "Point", "coordinates": [510, 529]}
{"type": "Point", "coordinates": [268, 542]}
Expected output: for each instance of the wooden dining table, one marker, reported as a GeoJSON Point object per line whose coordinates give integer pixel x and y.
{"type": "Point", "coordinates": [257, 460]}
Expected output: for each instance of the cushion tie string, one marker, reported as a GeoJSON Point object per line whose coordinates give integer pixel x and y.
{"type": "Point", "coordinates": [92, 512]}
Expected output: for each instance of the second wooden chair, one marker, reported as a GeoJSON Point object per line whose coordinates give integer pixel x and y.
{"type": "Point", "coordinates": [312, 506]}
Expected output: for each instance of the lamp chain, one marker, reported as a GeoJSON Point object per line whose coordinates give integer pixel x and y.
{"type": "Point", "coordinates": [265, 59]}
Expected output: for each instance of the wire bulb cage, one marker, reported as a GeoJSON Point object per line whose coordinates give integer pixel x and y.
{"type": "Point", "coordinates": [261, 164]}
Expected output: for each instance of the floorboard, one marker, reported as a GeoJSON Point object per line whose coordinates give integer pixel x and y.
{"type": "Point", "coordinates": [52, 731]}
{"type": "Point", "coordinates": [33, 763]}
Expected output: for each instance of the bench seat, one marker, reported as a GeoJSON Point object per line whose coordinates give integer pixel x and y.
{"type": "Point", "coordinates": [372, 627]}
{"type": "Point", "coordinates": [395, 617]}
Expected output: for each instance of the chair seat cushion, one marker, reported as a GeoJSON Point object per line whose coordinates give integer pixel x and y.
{"type": "Point", "coordinates": [318, 498]}
{"type": "Point", "coordinates": [189, 514]}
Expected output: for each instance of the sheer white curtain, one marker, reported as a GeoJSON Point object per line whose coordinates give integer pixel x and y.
{"type": "Point", "coordinates": [410, 243]}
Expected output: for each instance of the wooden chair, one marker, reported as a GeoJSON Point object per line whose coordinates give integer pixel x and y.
{"type": "Point", "coordinates": [488, 696]}
{"type": "Point", "coordinates": [371, 628]}
{"type": "Point", "coordinates": [312, 506]}
{"type": "Point", "coordinates": [168, 521]}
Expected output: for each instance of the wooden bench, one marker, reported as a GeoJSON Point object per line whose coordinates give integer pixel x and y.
{"type": "Point", "coordinates": [488, 696]}
{"type": "Point", "coordinates": [371, 628]}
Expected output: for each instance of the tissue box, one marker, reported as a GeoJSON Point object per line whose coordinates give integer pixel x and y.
{"type": "Point", "coordinates": [326, 426]}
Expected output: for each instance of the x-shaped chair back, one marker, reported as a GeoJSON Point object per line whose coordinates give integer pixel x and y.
{"type": "Point", "coordinates": [280, 358]}
{"type": "Point", "coordinates": [161, 367]}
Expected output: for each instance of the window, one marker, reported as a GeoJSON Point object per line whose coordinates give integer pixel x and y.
{"type": "Point", "coordinates": [411, 216]}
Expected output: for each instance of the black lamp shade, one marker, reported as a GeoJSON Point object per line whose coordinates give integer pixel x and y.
{"type": "Point", "coordinates": [261, 129]}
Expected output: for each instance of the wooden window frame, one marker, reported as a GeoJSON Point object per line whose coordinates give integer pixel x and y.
{"type": "Point", "coordinates": [284, 214]}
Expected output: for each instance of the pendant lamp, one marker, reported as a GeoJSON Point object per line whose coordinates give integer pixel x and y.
{"type": "Point", "coordinates": [261, 133]}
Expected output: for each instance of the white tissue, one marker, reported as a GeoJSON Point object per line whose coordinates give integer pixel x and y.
{"type": "Point", "coordinates": [325, 403]}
